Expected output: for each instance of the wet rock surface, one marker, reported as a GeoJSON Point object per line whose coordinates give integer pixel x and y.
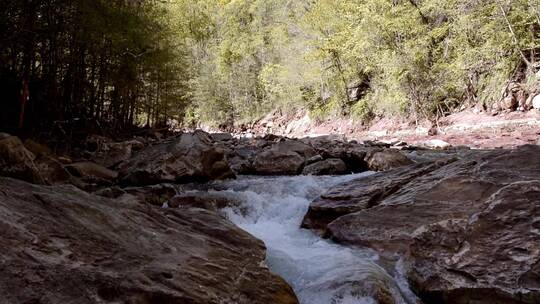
{"type": "Point", "coordinates": [466, 225]}
{"type": "Point", "coordinates": [62, 245]}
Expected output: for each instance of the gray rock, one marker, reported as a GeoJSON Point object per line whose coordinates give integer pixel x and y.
{"type": "Point", "coordinates": [492, 257]}
{"type": "Point", "coordinates": [332, 166]}
{"type": "Point", "coordinates": [386, 159]}
{"type": "Point", "coordinates": [278, 162]}
{"type": "Point", "coordinates": [466, 226]}
{"type": "Point", "coordinates": [62, 245]}
{"type": "Point", "coordinates": [189, 157]}
{"type": "Point", "coordinates": [17, 162]}
{"type": "Point", "coordinates": [221, 136]}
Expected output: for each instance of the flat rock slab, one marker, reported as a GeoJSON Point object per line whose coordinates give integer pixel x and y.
{"type": "Point", "coordinates": [493, 257]}
{"type": "Point", "coordinates": [62, 245]}
{"type": "Point", "coordinates": [391, 212]}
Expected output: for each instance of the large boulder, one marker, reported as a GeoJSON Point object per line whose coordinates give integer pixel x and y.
{"type": "Point", "coordinates": [286, 157]}
{"type": "Point", "coordinates": [241, 158]}
{"type": "Point", "coordinates": [275, 162]}
{"type": "Point", "coordinates": [62, 245]}
{"type": "Point", "coordinates": [331, 166]}
{"type": "Point", "coordinates": [296, 146]}
{"type": "Point", "coordinates": [491, 257]}
{"type": "Point", "coordinates": [386, 159]}
{"type": "Point", "coordinates": [111, 154]}
{"type": "Point", "coordinates": [18, 162]}
{"type": "Point", "coordinates": [427, 211]}
{"type": "Point", "coordinates": [189, 157]}
{"type": "Point", "coordinates": [90, 176]}
{"type": "Point", "coordinates": [52, 170]}
{"type": "Point", "coordinates": [91, 172]}
{"type": "Point", "coordinates": [37, 149]}
{"type": "Point", "coordinates": [362, 194]}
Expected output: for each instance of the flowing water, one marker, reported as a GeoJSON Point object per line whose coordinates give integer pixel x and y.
{"type": "Point", "coordinates": [320, 272]}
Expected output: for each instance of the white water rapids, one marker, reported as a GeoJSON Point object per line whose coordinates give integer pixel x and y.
{"type": "Point", "coordinates": [320, 272]}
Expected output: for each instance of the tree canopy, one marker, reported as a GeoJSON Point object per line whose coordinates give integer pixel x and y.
{"type": "Point", "coordinates": [124, 63]}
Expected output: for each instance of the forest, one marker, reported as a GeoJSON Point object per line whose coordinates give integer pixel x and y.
{"type": "Point", "coordinates": [120, 64]}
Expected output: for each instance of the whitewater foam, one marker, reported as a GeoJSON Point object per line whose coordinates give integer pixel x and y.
{"type": "Point", "coordinates": [320, 272]}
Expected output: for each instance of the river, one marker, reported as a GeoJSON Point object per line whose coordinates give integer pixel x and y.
{"type": "Point", "coordinates": [320, 271]}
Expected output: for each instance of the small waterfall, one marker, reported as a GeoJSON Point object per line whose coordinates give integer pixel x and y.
{"type": "Point", "coordinates": [321, 272]}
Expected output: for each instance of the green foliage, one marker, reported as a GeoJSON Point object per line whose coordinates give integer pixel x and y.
{"type": "Point", "coordinates": [228, 61]}
{"type": "Point", "coordinates": [419, 58]}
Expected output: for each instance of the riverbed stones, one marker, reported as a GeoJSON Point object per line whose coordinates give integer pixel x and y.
{"type": "Point", "coordinates": [62, 245]}
{"type": "Point", "coordinates": [466, 227]}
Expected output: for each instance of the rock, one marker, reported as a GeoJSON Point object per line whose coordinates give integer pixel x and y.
{"type": "Point", "coordinates": [361, 194]}
{"type": "Point", "coordinates": [433, 131]}
{"type": "Point", "coordinates": [95, 142]}
{"type": "Point", "coordinates": [221, 136]}
{"type": "Point", "coordinates": [529, 102]}
{"type": "Point", "coordinates": [436, 144]}
{"type": "Point", "coordinates": [509, 103]}
{"type": "Point", "coordinates": [155, 195]}
{"type": "Point", "coordinates": [380, 144]}
{"type": "Point", "coordinates": [332, 166]}
{"type": "Point", "coordinates": [386, 159]}
{"type": "Point", "coordinates": [241, 159]}
{"type": "Point", "coordinates": [36, 148]}
{"type": "Point", "coordinates": [297, 146]}
{"type": "Point", "coordinates": [92, 173]}
{"type": "Point", "coordinates": [486, 198]}
{"type": "Point", "coordinates": [112, 154]}
{"type": "Point", "coordinates": [286, 157]}
{"type": "Point", "coordinates": [62, 245]}
{"type": "Point", "coordinates": [522, 100]}
{"type": "Point", "coordinates": [213, 201]}
{"type": "Point", "coordinates": [277, 162]}
{"type": "Point", "coordinates": [493, 257]}
{"type": "Point", "coordinates": [52, 170]}
{"type": "Point", "coordinates": [136, 145]}
{"type": "Point", "coordinates": [189, 157]}
{"type": "Point", "coordinates": [355, 158]}
{"type": "Point", "coordinates": [314, 159]}
{"type": "Point", "coordinates": [91, 170]}
{"type": "Point", "coordinates": [4, 135]}
{"type": "Point", "coordinates": [17, 162]}
{"type": "Point", "coordinates": [536, 102]}
{"type": "Point", "coordinates": [111, 192]}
